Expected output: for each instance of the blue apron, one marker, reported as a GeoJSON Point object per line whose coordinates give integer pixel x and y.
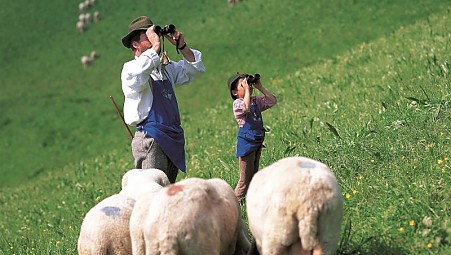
{"type": "Point", "coordinates": [252, 133]}
{"type": "Point", "coordinates": [163, 123]}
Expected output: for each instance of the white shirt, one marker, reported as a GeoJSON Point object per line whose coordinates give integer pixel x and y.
{"type": "Point", "coordinates": [135, 78]}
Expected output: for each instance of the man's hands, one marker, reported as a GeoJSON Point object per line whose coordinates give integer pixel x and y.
{"type": "Point", "coordinates": [172, 38]}
{"type": "Point", "coordinates": [154, 39]}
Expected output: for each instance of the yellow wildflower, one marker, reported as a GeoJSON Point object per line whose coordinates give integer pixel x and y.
{"type": "Point", "coordinates": [354, 192]}
{"type": "Point", "coordinates": [439, 161]}
{"type": "Point", "coordinates": [348, 195]}
{"type": "Point", "coordinates": [446, 158]}
{"type": "Point", "coordinates": [411, 222]}
{"type": "Point", "coordinates": [401, 229]}
{"type": "Point", "coordinates": [429, 245]}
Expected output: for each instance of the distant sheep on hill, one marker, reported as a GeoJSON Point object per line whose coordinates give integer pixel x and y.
{"type": "Point", "coordinates": [192, 217]}
{"type": "Point", "coordinates": [85, 61]}
{"type": "Point", "coordinates": [93, 55]}
{"type": "Point", "coordinates": [80, 26]}
{"type": "Point", "coordinates": [82, 7]}
{"type": "Point", "coordinates": [295, 206]}
{"type": "Point", "coordinates": [96, 16]}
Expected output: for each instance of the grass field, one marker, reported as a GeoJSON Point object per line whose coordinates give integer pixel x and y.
{"type": "Point", "coordinates": [362, 86]}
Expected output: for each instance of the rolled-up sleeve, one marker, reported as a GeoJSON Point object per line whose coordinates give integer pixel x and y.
{"type": "Point", "coordinates": [185, 71]}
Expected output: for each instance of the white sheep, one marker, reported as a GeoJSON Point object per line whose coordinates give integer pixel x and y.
{"type": "Point", "coordinates": [82, 7]}
{"type": "Point", "coordinates": [80, 26]}
{"type": "Point", "coordinates": [294, 206]}
{"type": "Point", "coordinates": [193, 216]}
{"type": "Point", "coordinates": [87, 3]}
{"type": "Point", "coordinates": [142, 176]}
{"type": "Point", "coordinates": [232, 2]}
{"type": "Point", "coordinates": [85, 61]}
{"type": "Point", "coordinates": [88, 18]}
{"type": "Point", "coordinates": [106, 226]}
{"type": "Point", "coordinates": [81, 17]}
{"type": "Point", "coordinates": [140, 210]}
{"type": "Point", "coordinates": [96, 16]}
{"type": "Point", "coordinates": [93, 55]}
{"type": "Point", "coordinates": [138, 182]}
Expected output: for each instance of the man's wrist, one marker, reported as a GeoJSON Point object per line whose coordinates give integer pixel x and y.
{"type": "Point", "coordinates": [183, 46]}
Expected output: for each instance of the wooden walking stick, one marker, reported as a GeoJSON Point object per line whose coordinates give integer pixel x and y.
{"type": "Point", "coordinates": [122, 117]}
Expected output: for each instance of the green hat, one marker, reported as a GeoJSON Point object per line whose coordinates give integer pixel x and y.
{"type": "Point", "coordinates": [232, 80]}
{"type": "Point", "coordinates": [140, 23]}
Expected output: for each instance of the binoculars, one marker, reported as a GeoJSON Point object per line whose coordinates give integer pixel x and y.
{"type": "Point", "coordinates": [168, 29]}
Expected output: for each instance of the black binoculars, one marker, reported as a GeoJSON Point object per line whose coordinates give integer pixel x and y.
{"type": "Point", "coordinates": [252, 79]}
{"type": "Point", "coordinates": [168, 29]}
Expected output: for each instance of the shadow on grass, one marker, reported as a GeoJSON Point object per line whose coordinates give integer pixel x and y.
{"type": "Point", "coordinates": [367, 246]}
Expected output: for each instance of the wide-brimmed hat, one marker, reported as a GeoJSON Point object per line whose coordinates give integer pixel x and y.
{"type": "Point", "coordinates": [140, 23]}
{"type": "Point", "coordinates": [231, 81]}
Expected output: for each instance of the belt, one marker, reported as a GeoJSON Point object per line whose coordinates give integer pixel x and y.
{"type": "Point", "coordinates": [142, 122]}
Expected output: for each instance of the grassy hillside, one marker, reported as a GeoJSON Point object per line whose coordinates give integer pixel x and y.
{"type": "Point", "coordinates": [54, 112]}
{"type": "Point", "coordinates": [379, 114]}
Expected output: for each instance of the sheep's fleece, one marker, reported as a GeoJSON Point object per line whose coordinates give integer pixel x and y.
{"type": "Point", "coordinates": [195, 216]}
{"type": "Point", "coordinates": [295, 206]}
{"type": "Point", "coordinates": [105, 228]}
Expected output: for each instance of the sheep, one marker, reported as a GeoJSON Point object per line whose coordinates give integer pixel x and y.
{"type": "Point", "coordinates": [193, 216]}
{"type": "Point", "coordinates": [232, 2]}
{"type": "Point", "coordinates": [87, 3]}
{"type": "Point", "coordinates": [294, 206]}
{"type": "Point", "coordinates": [140, 210]}
{"type": "Point", "coordinates": [93, 55]}
{"type": "Point", "coordinates": [96, 16]}
{"type": "Point", "coordinates": [81, 17]}
{"type": "Point", "coordinates": [137, 176]}
{"type": "Point", "coordinates": [80, 26]}
{"type": "Point", "coordinates": [88, 18]}
{"type": "Point", "coordinates": [85, 60]}
{"type": "Point", "coordinates": [82, 7]}
{"type": "Point", "coordinates": [106, 226]}
{"type": "Point", "coordinates": [138, 182]}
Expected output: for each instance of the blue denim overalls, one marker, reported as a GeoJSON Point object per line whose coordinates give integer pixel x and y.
{"type": "Point", "coordinates": [252, 134]}
{"type": "Point", "coordinates": [163, 123]}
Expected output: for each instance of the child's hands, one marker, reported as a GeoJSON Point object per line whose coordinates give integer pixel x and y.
{"type": "Point", "coordinates": [258, 85]}
{"type": "Point", "coordinates": [244, 84]}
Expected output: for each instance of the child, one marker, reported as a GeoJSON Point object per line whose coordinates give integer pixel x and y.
{"type": "Point", "coordinates": [247, 110]}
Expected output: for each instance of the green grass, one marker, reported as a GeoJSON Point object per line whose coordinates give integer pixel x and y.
{"type": "Point", "coordinates": [363, 87]}
{"type": "Point", "coordinates": [55, 113]}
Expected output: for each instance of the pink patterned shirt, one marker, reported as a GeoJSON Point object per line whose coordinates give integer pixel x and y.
{"type": "Point", "coordinates": [239, 107]}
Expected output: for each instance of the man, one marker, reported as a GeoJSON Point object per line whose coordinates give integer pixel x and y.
{"type": "Point", "coordinates": [150, 103]}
